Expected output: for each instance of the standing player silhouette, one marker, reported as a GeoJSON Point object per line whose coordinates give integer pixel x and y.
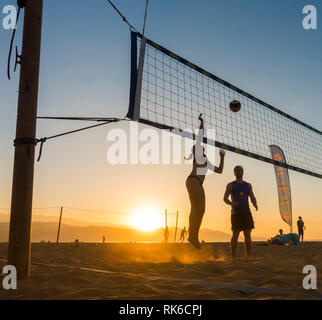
{"type": "Point", "coordinates": [183, 234]}
{"type": "Point", "coordinates": [241, 216]}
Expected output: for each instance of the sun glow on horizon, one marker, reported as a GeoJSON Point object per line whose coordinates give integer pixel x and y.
{"type": "Point", "coordinates": [147, 219]}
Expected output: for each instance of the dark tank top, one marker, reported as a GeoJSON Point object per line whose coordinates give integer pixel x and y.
{"type": "Point", "coordinates": [240, 194]}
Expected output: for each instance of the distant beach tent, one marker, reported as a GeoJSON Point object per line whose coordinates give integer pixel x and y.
{"type": "Point", "coordinates": [169, 92]}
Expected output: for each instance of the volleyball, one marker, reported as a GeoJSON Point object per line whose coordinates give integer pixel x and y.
{"type": "Point", "coordinates": [235, 106]}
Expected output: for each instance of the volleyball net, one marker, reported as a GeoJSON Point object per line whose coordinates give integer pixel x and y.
{"type": "Point", "coordinates": [169, 92]}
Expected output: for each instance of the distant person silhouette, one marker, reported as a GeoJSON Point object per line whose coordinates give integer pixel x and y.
{"type": "Point", "coordinates": [103, 239]}
{"type": "Point", "coordinates": [183, 234]}
{"type": "Point", "coordinates": [301, 227]}
{"type": "Point", "coordinates": [166, 235]}
{"type": "Point", "coordinates": [280, 233]}
{"type": "Point", "coordinates": [277, 238]}
{"type": "Point", "coordinates": [241, 216]}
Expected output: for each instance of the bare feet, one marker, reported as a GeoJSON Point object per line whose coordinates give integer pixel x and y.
{"type": "Point", "coordinates": [195, 242]}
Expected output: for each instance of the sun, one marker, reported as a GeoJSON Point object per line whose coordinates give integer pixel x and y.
{"type": "Point", "coordinates": [146, 219]}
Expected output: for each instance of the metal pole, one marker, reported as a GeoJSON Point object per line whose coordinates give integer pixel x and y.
{"type": "Point", "coordinates": [175, 234]}
{"type": "Point", "coordinates": [23, 171]}
{"type": "Point", "coordinates": [59, 224]}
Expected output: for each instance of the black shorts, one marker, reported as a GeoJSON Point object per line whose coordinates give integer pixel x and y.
{"type": "Point", "coordinates": [242, 221]}
{"type": "Point", "coordinates": [301, 232]}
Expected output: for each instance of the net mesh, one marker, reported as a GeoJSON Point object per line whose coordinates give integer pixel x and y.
{"type": "Point", "coordinates": [43, 228]}
{"type": "Point", "coordinates": [174, 93]}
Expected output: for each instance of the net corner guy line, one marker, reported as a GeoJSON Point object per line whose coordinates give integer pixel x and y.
{"type": "Point", "coordinates": [168, 92]}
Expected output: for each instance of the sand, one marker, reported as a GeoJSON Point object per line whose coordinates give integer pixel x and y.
{"type": "Point", "coordinates": [160, 271]}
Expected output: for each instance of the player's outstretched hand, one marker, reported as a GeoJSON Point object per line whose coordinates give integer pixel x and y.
{"type": "Point", "coordinates": [222, 153]}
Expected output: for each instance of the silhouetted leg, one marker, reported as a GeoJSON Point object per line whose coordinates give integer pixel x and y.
{"type": "Point", "coordinates": [197, 200]}
{"type": "Point", "coordinates": [201, 212]}
{"type": "Point", "coordinates": [248, 242]}
{"type": "Point", "coordinates": [233, 243]}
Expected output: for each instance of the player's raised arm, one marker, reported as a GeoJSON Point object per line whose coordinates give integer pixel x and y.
{"type": "Point", "coordinates": [252, 197]}
{"type": "Point", "coordinates": [202, 127]}
{"type": "Point", "coordinates": [213, 168]}
{"type": "Point", "coordinates": [220, 169]}
{"type": "Point", "coordinates": [198, 150]}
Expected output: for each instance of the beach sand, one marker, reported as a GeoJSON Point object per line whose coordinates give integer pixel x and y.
{"type": "Point", "coordinates": [135, 269]}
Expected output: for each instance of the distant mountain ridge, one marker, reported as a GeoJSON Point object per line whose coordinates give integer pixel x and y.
{"type": "Point", "coordinates": [68, 233]}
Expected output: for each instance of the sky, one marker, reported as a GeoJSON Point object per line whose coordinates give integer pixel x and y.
{"type": "Point", "coordinates": [259, 46]}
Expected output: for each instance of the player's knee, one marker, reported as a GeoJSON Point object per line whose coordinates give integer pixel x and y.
{"type": "Point", "coordinates": [234, 237]}
{"type": "Point", "coordinates": [247, 236]}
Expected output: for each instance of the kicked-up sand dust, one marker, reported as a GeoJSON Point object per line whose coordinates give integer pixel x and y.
{"type": "Point", "coordinates": [164, 271]}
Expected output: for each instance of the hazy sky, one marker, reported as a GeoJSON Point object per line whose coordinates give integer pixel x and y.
{"type": "Point", "coordinates": [259, 46]}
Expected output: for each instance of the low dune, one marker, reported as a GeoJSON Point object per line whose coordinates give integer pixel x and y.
{"type": "Point", "coordinates": [166, 271]}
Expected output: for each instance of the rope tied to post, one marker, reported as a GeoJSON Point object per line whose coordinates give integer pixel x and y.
{"type": "Point", "coordinates": [34, 141]}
